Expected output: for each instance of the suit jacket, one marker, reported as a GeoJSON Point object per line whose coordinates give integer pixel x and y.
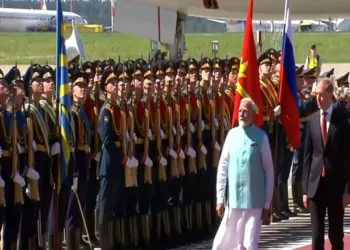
{"type": "Point", "coordinates": [334, 155]}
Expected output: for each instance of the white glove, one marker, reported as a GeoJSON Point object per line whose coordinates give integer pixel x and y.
{"type": "Point", "coordinates": [127, 136]}
{"type": "Point", "coordinates": [314, 86]}
{"type": "Point", "coordinates": [0, 152]}
{"type": "Point", "coordinates": [149, 133]}
{"type": "Point", "coordinates": [75, 184]}
{"type": "Point", "coordinates": [182, 154]}
{"type": "Point", "coordinates": [163, 161]}
{"type": "Point", "coordinates": [32, 174]}
{"type": "Point", "coordinates": [191, 127]}
{"type": "Point", "coordinates": [172, 153]}
{"type": "Point", "coordinates": [204, 149]}
{"type": "Point", "coordinates": [97, 156]}
{"type": "Point", "coordinates": [225, 123]}
{"type": "Point", "coordinates": [34, 146]}
{"type": "Point", "coordinates": [202, 125]}
{"type": "Point", "coordinates": [161, 133]}
{"type": "Point", "coordinates": [27, 189]}
{"type": "Point", "coordinates": [174, 130]}
{"type": "Point", "coordinates": [134, 162]}
{"type": "Point", "coordinates": [55, 149]}
{"type": "Point", "coordinates": [2, 182]}
{"type": "Point", "coordinates": [277, 110]}
{"type": "Point", "coordinates": [19, 148]}
{"type": "Point", "coordinates": [216, 123]}
{"type": "Point", "coordinates": [191, 152]}
{"type": "Point", "coordinates": [148, 162]}
{"type": "Point", "coordinates": [181, 130]}
{"type": "Point", "coordinates": [19, 180]}
{"type": "Point", "coordinates": [129, 162]}
{"type": "Point", "coordinates": [217, 146]}
{"type": "Point", "coordinates": [134, 137]}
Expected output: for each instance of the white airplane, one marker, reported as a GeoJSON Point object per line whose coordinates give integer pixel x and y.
{"type": "Point", "coordinates": [164, 20]}
{"type": "Point", "coordinates": [23, 20]}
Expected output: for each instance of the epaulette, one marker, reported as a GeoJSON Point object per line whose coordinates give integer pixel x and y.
{"type": "Point", "coordinates": [108, 106]}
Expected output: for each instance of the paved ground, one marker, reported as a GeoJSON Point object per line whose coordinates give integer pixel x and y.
{"type": "Point", "coordinates": [340, 68]}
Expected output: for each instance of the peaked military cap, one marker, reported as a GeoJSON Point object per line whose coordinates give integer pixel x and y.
{"type": "Point", "coordinates": [105, 64]}
{"type": "Point", "coordinates": [328, 73]}
{"type": "Point", "coordinates": [279, 54]}
{"type": "Point", "coordinates": [299, 70]}
{"type": "Point", "coordinates": [192, 63]}
{"type": "Point", "coordinates": [218, 63]}
{"type": "Point", "coordinates": [148, 70]}
{"type": "Point", "coordinates": [206, 63]}
{"type": "Point", "coordinates": [111, 61]}
{"type": "Point", "coordinates": [343, 81]}
{"type": "Point", "coordinates": [169, 67]}
{"type": "Point", "coordinates": [97, 66]}
{"type": "Point", "coordinates": [88, 68]}
{"type": "Point", "coordinates": [234, 62]}
{"type": "Point", "coordinates": [137, 68]}
{"type": "Point", "coordinates": [140, 61]}
{"type": "Point", "coordinates": [32, 74]}
{"type": "Point", "coordinates": [122, 71]}
{"type": "Point", "coordinates": [107, 76]}
{"type": "Point", "coordinates": [181, 66]}
{"type": "Point", "coordinates": [3, 80]}
{"type": "Point", "coordinates": [264, 58]}
{"type": "Point", "coordinates": [273, 54]}
{"type": "Point", "coordinates": [47, 72]}
{"type": "Point", "coordinates": [311, 73]}
{"type": "Point", "coordinates": [79, 76]}
{"type": "Point", "coordinates": [158, 69]}
{"type": "Point", "coordinates": [13, 76]}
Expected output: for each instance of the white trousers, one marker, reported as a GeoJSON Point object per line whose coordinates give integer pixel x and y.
{"type": "Point", "coordinates": [239, 230]}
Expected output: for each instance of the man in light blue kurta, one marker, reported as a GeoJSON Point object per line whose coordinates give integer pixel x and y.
{"type": "Point", "coordinates": [245, 170]}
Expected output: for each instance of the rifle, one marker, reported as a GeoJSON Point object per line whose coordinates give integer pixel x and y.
{"type": "Point", "coordinates": [96, 145]}
{"type": "Point", "coordinates": [180, 162]}
{"type": "Point", "coordinates": [173, 161]}
{"type": "Point", "coordinates": [201, 157]}
{"type": "Point", "coordinates": [216, 153]}
{"type": "Point", "coordinates": [222, 110]}
{"type": "Point", "coordinates": [33, 185]}
{"type": "Point", "coordinates": [147, 169]}
{"type": "Point", "coordinates": [161, 168]}
{"type": "Point", "coordinates": [191, 161]}
{"type": "Point", "coordinates": [129, 182]}
{"type": "Point", "coordinates": [131, 149]}
{"type": "Point", "coordinates": [18, 189]}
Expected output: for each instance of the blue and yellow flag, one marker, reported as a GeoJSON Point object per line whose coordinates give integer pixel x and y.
{"type": "Point", "coordinates": [64, 95]}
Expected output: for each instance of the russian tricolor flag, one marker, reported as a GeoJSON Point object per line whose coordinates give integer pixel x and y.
{"type": "Point", "coordinates": [288, 96]}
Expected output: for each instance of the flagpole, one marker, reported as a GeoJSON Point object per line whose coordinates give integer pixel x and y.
{"type": "Point", "coordinates": [57, 240]}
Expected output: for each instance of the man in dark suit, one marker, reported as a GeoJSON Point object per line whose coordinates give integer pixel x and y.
{"type": "Point", "coordinates": [325, 174]}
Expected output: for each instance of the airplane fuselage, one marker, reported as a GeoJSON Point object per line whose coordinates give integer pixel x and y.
{"type": "Point", "coordinates": [24, 20]}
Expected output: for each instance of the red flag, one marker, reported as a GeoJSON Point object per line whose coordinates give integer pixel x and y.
{"type": "Point", "coordinates": [248, 84]}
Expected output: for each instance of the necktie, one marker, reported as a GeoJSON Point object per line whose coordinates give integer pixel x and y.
{"type": "Point", "coordinates": [324, 137]}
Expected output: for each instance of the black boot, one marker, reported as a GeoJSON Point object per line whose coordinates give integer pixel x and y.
{"type": "Point", "coordinates": [71, 239]}
{"type": "Point", "coordinates": [51, 242]}
{"type": "Point", "coordinates": [105, 232]}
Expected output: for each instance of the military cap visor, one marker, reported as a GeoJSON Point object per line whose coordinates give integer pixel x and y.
{"type": "Point", "coordinates": [310, 73]}
{"type": "Point", "coordinates": [80, 81]}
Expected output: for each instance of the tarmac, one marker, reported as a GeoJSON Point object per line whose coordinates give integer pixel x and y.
{"type": "Point", "coordinates": [339, 68]}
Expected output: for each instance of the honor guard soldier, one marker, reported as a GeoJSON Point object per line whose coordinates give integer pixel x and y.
{"type": "Point", "coordinates": [310, 76]}
{"type": "Point", "coordinates": [5, 131]}
{"type": "Point", "coordinates": [80, 168]}
{"type": "Point", "coordinates": [98, 69]}
{"type": "Point", "coordinates": [275, 78]}
{"type": "Point", "coordinates": [270, 111]}
{"type": "Point", "coordinates": [173, 180]}
{"type": "Point", "coordinates": [232, 66]}
{"type": "Point", "coordinates": [14, 176]}
{"type": "Point", "coordinates": [113, 162]}
{"type": "Point", "coordinates": [205, 161]}
{"type": "Point", "coordinates": [160, 133]}
{"type": "Point", "coordinates": [125, 73]}
{"type": "Point", "coordinates": [343, 90]}
{"type": "Point", "coordinates": [215, 148]}
{"type": "Point", "coordinates": [142, 81]}
{"type": "Point", "coordinates": [92, 108]}
{"type": "Point", "coordinates": [306, 107]}
{"type": "Point", "coordinates": [37, 201]}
